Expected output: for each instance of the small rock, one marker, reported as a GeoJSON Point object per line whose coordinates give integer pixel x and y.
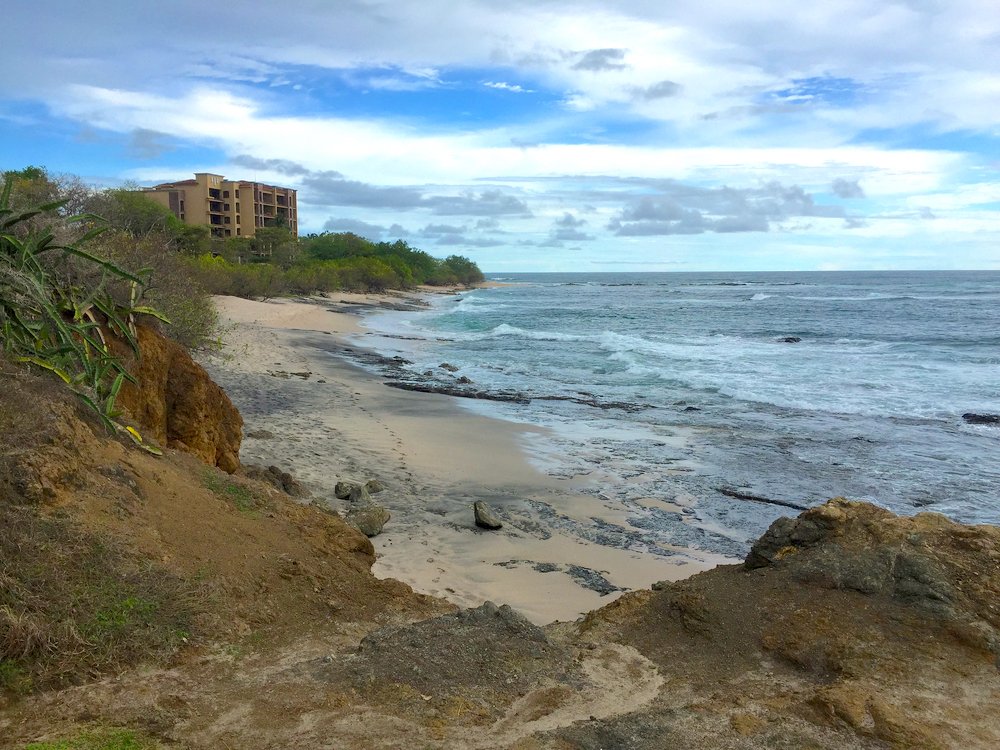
{"type": "Point", "coordinates": [354, 491]}
{"type": "Point", "coordinates": [485, 519]}
{"type": "Point", "coordinates": [448, 367]}
{"type": "Point", "coordinates": [359, 495]}
{"type": "Point", "coordinates": [973, 418]}
{"type": "Point", "coordinates": [790, 339]}
{"type": "Point", "coordinates": [374, 486]}
{"type": "Point", "coordinates": [368, 519]}
{"type": "Point", "coordinates": [464, 380]}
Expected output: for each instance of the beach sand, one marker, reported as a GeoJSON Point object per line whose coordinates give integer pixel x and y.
{"type": "Point", "coordinates": [309, 410]}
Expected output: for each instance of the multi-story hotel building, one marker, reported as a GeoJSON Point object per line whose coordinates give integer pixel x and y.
{"type": "Point", "coordinates": [229, 208]}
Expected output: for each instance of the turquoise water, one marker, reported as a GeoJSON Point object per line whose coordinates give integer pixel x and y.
{"type": "Point", "coordinates": [867, 403]}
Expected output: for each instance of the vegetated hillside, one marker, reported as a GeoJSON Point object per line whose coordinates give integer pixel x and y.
{"type": "Point", "coordinates": [186, 259]}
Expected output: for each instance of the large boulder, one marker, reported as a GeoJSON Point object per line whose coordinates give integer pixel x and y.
{"type": "Point", "coordinates": [178, 404]}
{"type": "Point", "coordinates": [368, 519]}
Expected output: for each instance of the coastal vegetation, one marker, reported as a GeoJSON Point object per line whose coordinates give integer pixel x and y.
{"type": "Point", "coordinates": [153, 260]}
{"type": "Point", "coordinates": [275, 263]}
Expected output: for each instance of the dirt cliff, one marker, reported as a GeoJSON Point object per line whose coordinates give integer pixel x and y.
{"type": "Point", "coordinates": [179, 404]}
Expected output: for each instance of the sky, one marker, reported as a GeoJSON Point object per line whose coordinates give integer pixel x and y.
{"type": "Point", "coordinates": [709, 135]}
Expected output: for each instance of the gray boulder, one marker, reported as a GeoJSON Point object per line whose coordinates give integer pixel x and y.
{"type": "Point", "coordinates": [485, 518]}
{"type": "Point", "coordinates": [354, 492]}
{"type": "Point", "coordinates": [368, 519]}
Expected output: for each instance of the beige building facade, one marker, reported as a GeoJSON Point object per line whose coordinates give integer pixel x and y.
{"type": "Point", "coordinates": [229, 208]}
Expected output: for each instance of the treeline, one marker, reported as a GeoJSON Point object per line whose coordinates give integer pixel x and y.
{"type": "Point", "coordinates": [184, 264]}
{"type": "Point", "coordinates": [275, 262]}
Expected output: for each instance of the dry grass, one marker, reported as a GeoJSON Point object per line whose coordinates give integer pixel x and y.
{"type": "Point", "coordinates": [74, 604]}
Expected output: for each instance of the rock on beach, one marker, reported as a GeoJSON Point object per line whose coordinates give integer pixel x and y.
{"type": "Point", "coordinates": [485, 518]}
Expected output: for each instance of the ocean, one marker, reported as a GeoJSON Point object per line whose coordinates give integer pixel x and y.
{"type": "Point", "coordinates": [740, 397]}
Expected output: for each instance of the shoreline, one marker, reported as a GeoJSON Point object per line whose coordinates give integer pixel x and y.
{"type": "Point", "coordinates": [311, 411]}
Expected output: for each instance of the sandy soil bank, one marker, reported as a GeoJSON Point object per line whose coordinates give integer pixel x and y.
{"type": "Point", "coordinates": [312, 412]}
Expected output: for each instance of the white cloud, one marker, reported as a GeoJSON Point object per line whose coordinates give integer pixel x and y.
{"type": "Point", "coordinates": [727, 93]}
{"type": "Point", "coordinates": [503, 86]}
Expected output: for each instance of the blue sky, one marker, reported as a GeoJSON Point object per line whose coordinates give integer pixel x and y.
{"type": "Point", "coordinates": [545, 135]}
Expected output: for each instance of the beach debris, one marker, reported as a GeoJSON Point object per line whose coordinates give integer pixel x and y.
{"type": "Point", "coordinates": [368, 519]}
{"type": "Point", "coordinates": [447, 366]}
{"type": "Point", "coordinates": [973, 418]}
{"type": "Point", "coordinates": [485, 519]}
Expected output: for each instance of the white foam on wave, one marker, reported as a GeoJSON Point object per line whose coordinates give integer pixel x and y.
{"type": "Point", "coordinates": [761, 296]}
{"type": "Point", "coordinates": [505, 329]}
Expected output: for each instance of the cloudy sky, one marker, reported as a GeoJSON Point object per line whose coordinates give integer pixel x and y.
{"type": "Point", "coordinates": [544, 135]}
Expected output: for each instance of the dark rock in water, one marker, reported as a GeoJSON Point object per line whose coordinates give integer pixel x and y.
{"type": "Point", "coordinates": [691, 408]}
{"type": "Point", "coordinates": [368, 519]}
{"type": "Point", "coordinates": [446, 390]}
{"type": "Point", "coordinates": [790, 339]}
{"type": "Point", "coordinates": [374, 486]}
{"type": "Point", "coordinates": [448, 367]}
{"type": "Point", "coordinates": [484, 516]}
{"type": "Point", "coordinates": [591, 579]}
{"type": "Point", "coordinates": [973, 418]}
{"type": "Point", "coordinates": [464, 380]}
{"type": "Point", "coordinates": [342, 490]}
{"type": "Point", "coordinates": [740, 495]}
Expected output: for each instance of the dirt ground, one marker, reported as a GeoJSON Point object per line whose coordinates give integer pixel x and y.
{"type": "Point", "coordinates": [848, 627]}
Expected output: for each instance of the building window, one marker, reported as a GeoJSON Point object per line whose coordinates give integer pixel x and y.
{"type": "Point", "coordinates": [227, 219]}
{"type": "Point", "coordinates": [237, 193]}
{"type": "Point", "coordinates": [237, 218]}
{"type": "Point", "coordinates": [237, 231]}
{"type": "Point", "coordinates": [182, 206]}
{"type": "Point", "coordinates": [225, 193]}
{"type": "Point", "coordinates": [228, 233]}
{"type": "Point", "coordinates": [225, 207]}
{"type": "Point", "coordinates": [237, 208]}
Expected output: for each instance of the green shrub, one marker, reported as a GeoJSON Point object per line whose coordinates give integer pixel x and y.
{"type": "Point", "coordinates": [99, 739]}
{"type": "Point", "coordinates": [57, 325]}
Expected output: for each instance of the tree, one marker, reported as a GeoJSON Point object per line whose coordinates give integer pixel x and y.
{"type": "Point", "coordinates": [275, 245]}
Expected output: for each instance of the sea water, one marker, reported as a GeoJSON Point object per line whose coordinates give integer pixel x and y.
{"type": "Point", "coordinates": [788, 387]}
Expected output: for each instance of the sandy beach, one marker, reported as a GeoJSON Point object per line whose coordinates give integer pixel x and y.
{"type": "Point", "coordinates": [311, 411]}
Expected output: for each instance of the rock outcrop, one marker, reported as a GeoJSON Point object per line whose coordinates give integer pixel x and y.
{"type": "Point", "coordinates": [847, 626]}
{"type": "Point", "coordinates": [179, 404]}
